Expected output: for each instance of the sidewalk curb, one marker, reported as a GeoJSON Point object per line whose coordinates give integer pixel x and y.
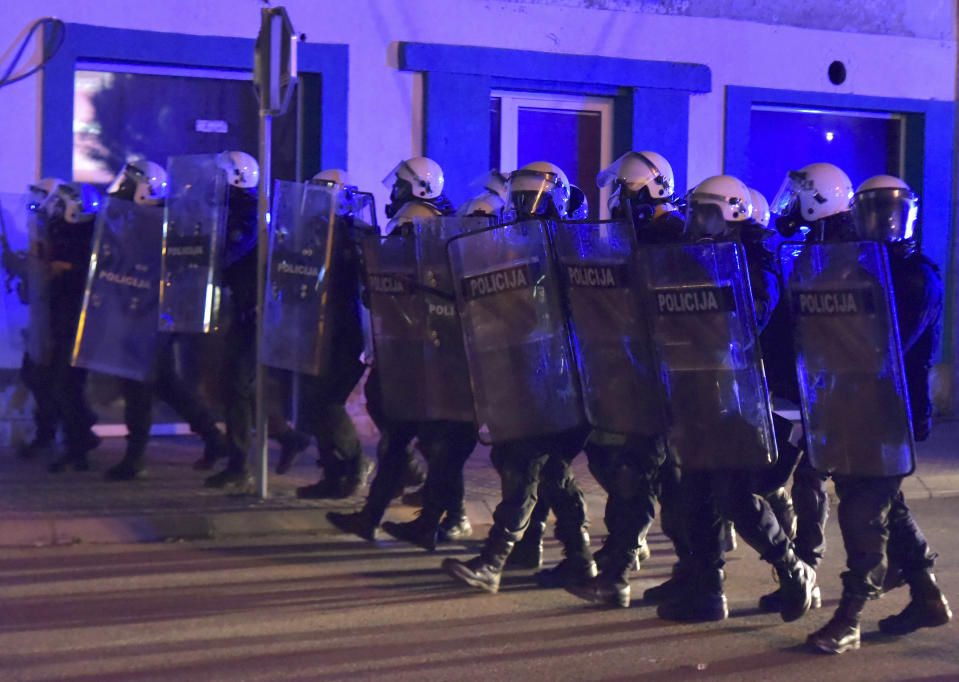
{"type": "Point", "coordinates": [159, 528]}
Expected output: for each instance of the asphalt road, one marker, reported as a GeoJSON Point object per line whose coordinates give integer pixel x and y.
{"type": "Point", "coordinates": [331, 607]}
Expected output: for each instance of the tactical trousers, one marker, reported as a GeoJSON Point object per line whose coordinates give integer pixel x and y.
{"type": "Point", "coordinates": [46, 415]}
{"type": "Point", "coordinates": [907, 547]}
{"type": "Point", "coordinates": [522, 464]}
{"type": "Point", "coordinates": [672, 512]}
{"type": "Point", "coordinates": [171, 389]}
{"type": "Point", "coordinates": [711, 497]}
{"type": "Point", "coordinates": [811, 502]}
{"type": "Point", "coordinates": [238, 390]}
{"type": "Point", "coordinates": [59, 391]}
{"type": "Point", "coordinates": [876, 524]}
{"type": "Point", "coordinates": [322, 414]}
{"type": "Point", "coordinates": [628, 473]}
{"type": "Point", "coordinates": [446, 445]}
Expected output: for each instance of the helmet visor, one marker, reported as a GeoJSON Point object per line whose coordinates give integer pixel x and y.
{"type": "Point", "coordinates": [788, 194]}
{"type": "Point", "coordinates": [705, 220]}
{"type": "Point", "coordinates": [622, 172]}
{"type": "Point", "coordinates": [885, 215]}
{"type": "Point", "coordinates": [531, 192]}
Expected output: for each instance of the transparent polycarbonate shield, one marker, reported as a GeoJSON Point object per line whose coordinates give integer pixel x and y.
{"type": "Point", "coordinates": [399, 324]}
{"type": "Point", "coordinates": [446, 379]}
{"type": "Point", "coordinates": [849, 363]}
{"type": "Point", "coordinates": [364, 225]}
{"type": "Point", "coordinates": [515, 329]}
{"type": "Point", "coordinates": [298, 326]}
{"type": "Point", "coordinates": [39, 339]}
{"type": "Point", "coordinates": [622, 390]}
{"type": "Point", "coordinates": [704, 326]}
{"type": "Point", "coordinates": [193, 240]}
{"type": "Point", "coordinates": [117, 333]}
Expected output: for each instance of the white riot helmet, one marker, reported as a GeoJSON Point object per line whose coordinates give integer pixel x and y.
{"type": "Point", "coordinates": [42, 195]}
{"type": "Point", "coordinates": [331, 177]}
{"type": "Point", "coordinates": [715, 202]}
{"type": "Point", "coordinates": [761, 213]}
{"type": "Point", "coordinates": [817, 191]}
{"type": "Point", "coordinates": [884, 209]}
{"type": "Point", "coordinates": [424, 176]}
{"type": "Point", "coordinates": [80, 202]}
{"type": "Point", "coordinates": [242, 170]}
{"type": "Point", "coordinates": [143, 182]}
{"type": "Point", "coordinates": [535, 187]}
{"type": "Point", "coordinates": [633, 172]}
{"type": "Point", "coordinates": [493, 182]}
{"type": "Point", "coordinates": [487, 203]}
{"type": "Point", "coordinates": [409, 211]}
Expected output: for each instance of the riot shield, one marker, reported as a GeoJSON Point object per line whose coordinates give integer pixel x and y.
{"type": "Point", "coordinates": [849, 362]}
{"type": "Point", "coordinates": [117, 333]}
{"type": "Point", "coordinates": [297, 313]}
{"type": "Point", "coordinates": [446, 374]}
{"type": "Point", "coordinates": [518, 349]}
{"type": "Point", "coordinates": [622, 391]}
{"type": "Point", "coordinates": [39, 339]}
{"type": "Point", "coordinates": [193, 238]}
{"type": "Point", "coordinates": [704, 327]}
{"type": "Point", "coordinates": [398, 323]}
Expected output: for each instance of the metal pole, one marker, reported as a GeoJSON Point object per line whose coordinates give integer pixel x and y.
{"type": "Point", "coordinates": [262, 236]}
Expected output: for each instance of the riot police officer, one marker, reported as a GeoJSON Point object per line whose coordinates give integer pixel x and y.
{"type": "Point", "coordinates": [67, 212]}
{"type": "Point", "coordinates": [491, 200]}
{"type": "Point", "coordinates": [538, 189]}
{"type": "Point", "coordinates": [718, 209]}
{"type": "Point", "coordinates": [878, 529]}
{"type": "Point", "coordinates": [416, 191]}
{"type": "Point", "coordinates": [635, 469]}
{"type": "Point", "coordinates": [322, 399]}
{"type": "Point", "coordinates": [145, 183]}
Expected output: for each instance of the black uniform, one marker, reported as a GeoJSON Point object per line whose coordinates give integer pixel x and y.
{"type": "Point", "coordinates": [59, 388]}
{"type": "Point", "coordinates": [710, 497]}
{"type": "Point", "coordinates": [636, 471]}
{"type": "Point", "coordinates": [165, 383]}
{"type": "Point", "coordinates": [446, 445]}
{"type": "Point", "coordinates": [878, 530]}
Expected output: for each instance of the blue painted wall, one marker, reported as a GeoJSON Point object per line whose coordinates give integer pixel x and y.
{"type": "Point", "coordinates": [651, 100]}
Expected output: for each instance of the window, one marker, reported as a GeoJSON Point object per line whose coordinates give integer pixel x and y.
{"type": "Point", "coordinates": [862, 143]}
{"type": "Point", "coordinates": [574, 132]}
{"type": "Point", "coordinates": [121, 111]}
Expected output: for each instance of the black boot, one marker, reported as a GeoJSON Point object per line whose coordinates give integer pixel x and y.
{"type": "Point", "coordinates": [421, 531]}
{"type": "Point", "coordinates": [484, 571]}
{"type": "Point", "coordinates": [127, 469]}
{"type": "Point", "coordinates": [292, 443]}
{"type": "Point", "coordinates": [927, 609]}
{"type": "Point", "coordinates": [358, 523]}
{"type": "Point", "coordinates": [773, 603]}
{"type": "Point", "coordinates": [454, 527]}
{"type": "Point", "coordinates": [796, 583]}
{"type": "Point", "coordinates": [327, 489]}
{"type": "Point", "coordinates": [611, 586]}
{"type": "Point", "coordinates": [214, 448]}
{"type": "Point", "coordinates": [232, 480]}
{"type": "Point", "coordinates": [841, 633]}
{"type": "Point", "coordinates": [602, 558]}
{"type": "Point", "coordinates": [40, 446]}
{"type": "Point", "coordinates": [577, 568]}
{"type": "Point", "coordinates": [678, 584]}
{"type": "Point", "coordinates": [528, 552]}
{"type": "Point", "coordinates": [703, 601]}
